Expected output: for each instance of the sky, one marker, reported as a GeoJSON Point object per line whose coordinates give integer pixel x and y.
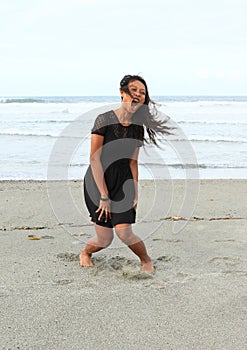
{"type": "Point", "coordinates": [84, 47]}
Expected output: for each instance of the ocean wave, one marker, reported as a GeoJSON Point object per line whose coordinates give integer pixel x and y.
{"type": "Point", "coordinates": [195, 166]}
{"type": "Point", "coordinates": [202, 101]}
{"type": "Point", "coordinates": [32, 122]}
{"type": "Point", "coordinates": [51, 121]}
{"type": "Point", "coordinates": [218, 140]}
{"type": "Point", "coordinates": [26, 134]}
{"type": "Point", "coordinates": [168, 139]}
{"type": "Point", "coordinates": [22, 100]}
{"type": "Point", "coordinates": [211, 122]}
{"type": "Point", "coordinates": [59, 99]}
{"type": "Point", "coordinates": [179, 166]}
{"type": "Point", "coordinates": [147, 165]}
{"type": "Point", "coordinates": [79, 136]}
{"type": "Point", "coordinates": [227, 140]}
{"type": "Point", "coordinates": [231, 140]}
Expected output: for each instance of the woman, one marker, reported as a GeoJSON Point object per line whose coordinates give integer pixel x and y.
{"type": "Point", "coordinates": [111, 181]}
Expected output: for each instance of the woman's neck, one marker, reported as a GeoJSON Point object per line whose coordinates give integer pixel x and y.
{"type": "Point", "coordinates": [124, 116]}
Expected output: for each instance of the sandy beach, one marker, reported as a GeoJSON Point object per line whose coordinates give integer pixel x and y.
{"type": "Point", "coordinates": [197, 298]}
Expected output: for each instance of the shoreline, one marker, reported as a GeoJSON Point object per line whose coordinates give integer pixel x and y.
{"type": "Point", "coordinates": [141, 180]}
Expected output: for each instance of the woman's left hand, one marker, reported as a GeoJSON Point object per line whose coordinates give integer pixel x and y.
{"type": "Point", "coordinates": [104, 210]}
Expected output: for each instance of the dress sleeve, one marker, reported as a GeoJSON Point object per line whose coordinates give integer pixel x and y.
{"type": "Point", "coordinates": [100, 125]}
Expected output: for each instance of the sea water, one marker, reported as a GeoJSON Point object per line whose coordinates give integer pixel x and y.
{"type": "Point", "coordinates": [49, 137]}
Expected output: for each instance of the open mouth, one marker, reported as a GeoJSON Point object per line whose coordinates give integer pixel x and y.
{"type": "Point", "coordinates": [134, 102]}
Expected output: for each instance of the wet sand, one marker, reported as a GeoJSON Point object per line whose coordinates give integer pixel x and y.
{"type": "Point", "coordinates": [196, 299]}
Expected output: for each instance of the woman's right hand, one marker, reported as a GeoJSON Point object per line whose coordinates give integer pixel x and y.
{"type": "Point", "coordinates": [104, 209]}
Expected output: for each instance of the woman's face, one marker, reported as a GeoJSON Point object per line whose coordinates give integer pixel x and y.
{"type": "Point", "coordinates": [136, 98]}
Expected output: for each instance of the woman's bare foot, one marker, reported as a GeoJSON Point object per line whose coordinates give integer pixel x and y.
{"type": "Point", "coordinates": [147, 266]}
{"type": "Point", "coordinates": [85, 259]}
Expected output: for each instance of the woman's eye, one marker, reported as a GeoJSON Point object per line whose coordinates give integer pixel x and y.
{"type": "Point", "coordinates": [133, 89]}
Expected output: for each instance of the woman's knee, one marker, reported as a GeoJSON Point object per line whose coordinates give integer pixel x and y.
{"type": "Point", "coordinates": [104, 236]}
{"type": "Point", "coordinates": [104, 242]}
{"type": "Point", "coordinates": [124, 232]}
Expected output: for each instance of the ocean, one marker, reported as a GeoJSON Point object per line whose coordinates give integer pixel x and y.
{"type": "Point", "coordinates": [49, 137]}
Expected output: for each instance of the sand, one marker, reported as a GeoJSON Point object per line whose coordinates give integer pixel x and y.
{"type": "Point", "coordinates": [197, 298]}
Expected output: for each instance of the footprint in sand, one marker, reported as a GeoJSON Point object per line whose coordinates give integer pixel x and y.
{"type": "Point", "coordinates": [225, 261]}
{"type": "Point", "coordinates": [236, 272]}
{"type": "Point", "coordinates": [168, 240]}
{"type": "Point", "coordinates": [156, 284]}
{"type": "Point", "coordinates": [3, 295]}
{"type": "Point", "coordinates": [133, 275]}
{"type": "Point", "coordinates": [62, 282]}
{"type": "Point", "coordinates": [165, 259]}
{"type": "Point", "coordinates": [114, 264]}
{"type": "Point", "coordinates": [224, 241]}
{"type": "Point", "coordinates": [69, 257]}
{"type": "Point", "coordinates": [122, 267]}
{"type": "Point", "coordinates": [182, 275]}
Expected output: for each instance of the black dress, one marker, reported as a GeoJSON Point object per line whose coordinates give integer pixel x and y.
{"type": "Point", "coordinates": [119, 145]}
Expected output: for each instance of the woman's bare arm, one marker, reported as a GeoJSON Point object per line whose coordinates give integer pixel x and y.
{"type": "Point", "coordinates": [98, 174]}
{"type": "Point", "coordinates": [134, 170]}
{"type": "Point", "coordinates": [95, 162]}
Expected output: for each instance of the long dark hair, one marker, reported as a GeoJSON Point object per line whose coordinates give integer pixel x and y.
{"type": "Point", "coordinates": [146, 115]}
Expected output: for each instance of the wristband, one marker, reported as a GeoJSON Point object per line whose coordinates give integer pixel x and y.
{"type": "Point", "coordinates": [104, 199]}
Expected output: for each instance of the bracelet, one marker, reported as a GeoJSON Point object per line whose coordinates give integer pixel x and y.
{"type": "Point", "coordinates": [104, 199]}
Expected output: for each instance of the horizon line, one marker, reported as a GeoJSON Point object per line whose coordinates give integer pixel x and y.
{"type": "Point", "coordinates": [97, 95]}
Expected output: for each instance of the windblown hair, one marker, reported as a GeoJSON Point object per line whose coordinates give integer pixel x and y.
{"type": "Point", "coordinates": [146, 115]}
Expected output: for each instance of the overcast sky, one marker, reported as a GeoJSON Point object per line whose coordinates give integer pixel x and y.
{"type": "Point", "coordinates": [84, 47]}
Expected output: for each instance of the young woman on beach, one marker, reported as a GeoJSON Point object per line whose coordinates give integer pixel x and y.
{"type": "Point", "coordinates": [111, 181]}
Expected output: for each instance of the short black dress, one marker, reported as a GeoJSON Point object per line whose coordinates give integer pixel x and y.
{"type": "Point", "coordinates": [118, 147]}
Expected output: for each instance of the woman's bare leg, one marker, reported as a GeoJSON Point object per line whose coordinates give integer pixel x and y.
{"type": "Point", "coordinates": [125, 233]}
{"type": "Point", "coordinates": [103, 239]}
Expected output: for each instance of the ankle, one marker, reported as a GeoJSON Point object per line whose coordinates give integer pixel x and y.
{"type": "Point", "coordinates": [85, 252]}
{"type": "Point", "coordinates": [146, 260]}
